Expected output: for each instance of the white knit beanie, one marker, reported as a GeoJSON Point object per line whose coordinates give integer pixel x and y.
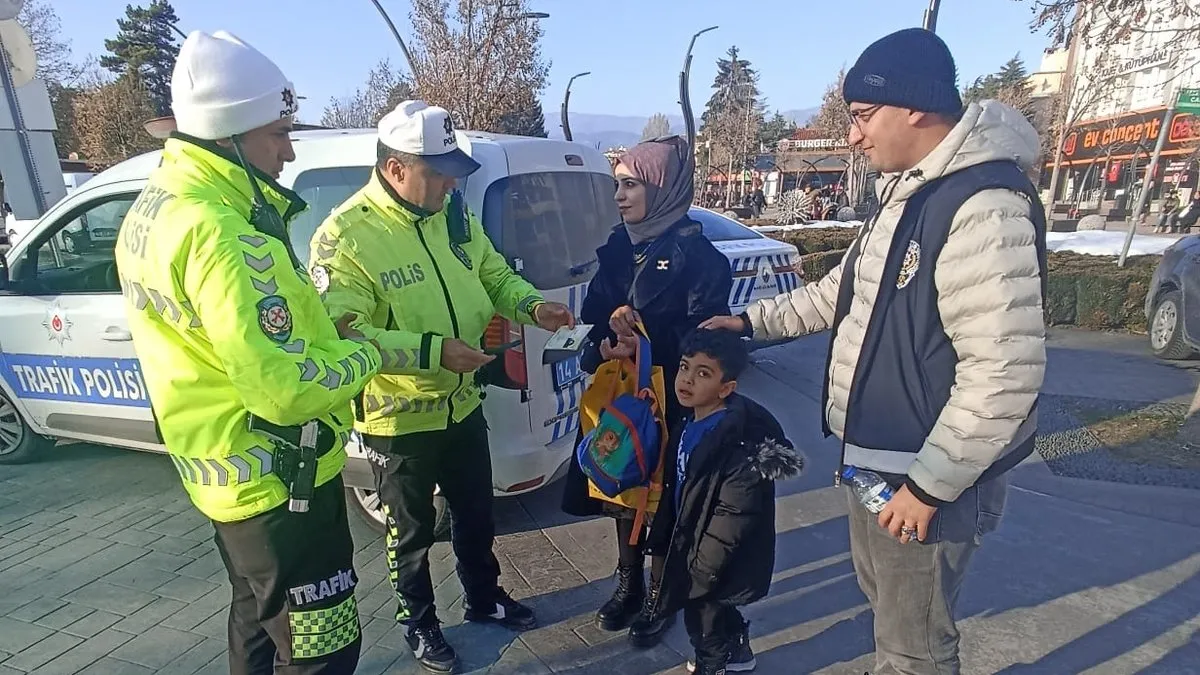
{"type": "Point", "coordinates": [222, 86]}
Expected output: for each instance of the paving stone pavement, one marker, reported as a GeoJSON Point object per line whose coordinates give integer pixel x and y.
{"type": "Point", "coordinates": [106, 569]}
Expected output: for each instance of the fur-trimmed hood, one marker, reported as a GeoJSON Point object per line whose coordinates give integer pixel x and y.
{"type": "Point", "coordinates": [774, 460]}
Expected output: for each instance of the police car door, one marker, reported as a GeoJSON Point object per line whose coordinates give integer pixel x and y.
{"type": "Point", "coordinates": [67, 352]}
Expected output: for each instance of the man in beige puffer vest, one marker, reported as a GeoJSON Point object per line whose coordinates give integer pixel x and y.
{"type": "Point", "coordinates": [938, 349]}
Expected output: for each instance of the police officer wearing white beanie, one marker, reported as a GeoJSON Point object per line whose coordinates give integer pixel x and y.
{"type": "Point", "coordinates": [239, 353]}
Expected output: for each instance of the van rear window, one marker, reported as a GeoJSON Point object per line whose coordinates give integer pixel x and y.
{"type": "Point", "coordinates": [549, 224]}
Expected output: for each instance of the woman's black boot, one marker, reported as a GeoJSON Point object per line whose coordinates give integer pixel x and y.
{"type": "Point", "coordinates": [626, 601]}
{"type": "Point", "coordinates": [650, 625]}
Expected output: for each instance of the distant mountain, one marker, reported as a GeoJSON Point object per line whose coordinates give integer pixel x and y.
{"type": "Point", "coordinates": [610, 131]}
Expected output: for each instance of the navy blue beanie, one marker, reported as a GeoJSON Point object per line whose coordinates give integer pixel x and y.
{"type": "Point", "coordinates": [911, 68]}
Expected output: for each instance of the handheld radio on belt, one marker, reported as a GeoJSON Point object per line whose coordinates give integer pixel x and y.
{"type": "Point", "coordinates": [296, 452]}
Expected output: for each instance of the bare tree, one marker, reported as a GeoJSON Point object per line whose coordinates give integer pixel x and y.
{"type": "Point", "coordinates": [53, 51]}
{"type": "Point", "coordinates": [55, 67]}
{"type": "Point", "coordinates": [109, 116]}
{"type": "Point", "coordinates": [384, 90]}
{"type": "Point", "coordinates": [480, 59]}
{"type": "Point", "coordinates": [1115, 21]}
{"type": "Point", "coordinates": [1089, 88]}
{"type": "Point", "coordinates": [833, 118]}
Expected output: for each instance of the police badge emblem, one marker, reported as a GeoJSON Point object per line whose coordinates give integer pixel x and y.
{"type": "Point", "coordinates": [275, 319]}
{"type": "Point", "coordinates": [912, 262]}
{"type": "Point", "coordinates": [320, 278]}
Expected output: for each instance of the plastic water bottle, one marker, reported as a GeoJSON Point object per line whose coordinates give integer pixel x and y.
{"type": "Point", "coordinates": [870, 488]}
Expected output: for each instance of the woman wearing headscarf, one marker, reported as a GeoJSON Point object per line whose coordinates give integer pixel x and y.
{"type": "Point", "coordinates": [658, 268]}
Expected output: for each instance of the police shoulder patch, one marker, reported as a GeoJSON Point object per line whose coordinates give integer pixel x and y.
{"type": "Point", "coordinates": [274, 318]}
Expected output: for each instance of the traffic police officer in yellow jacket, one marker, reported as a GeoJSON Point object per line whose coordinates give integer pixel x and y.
{"type": "Point", "coordinates": [405, 256]}
{"type": "Point", "coordinates": [248, 377]}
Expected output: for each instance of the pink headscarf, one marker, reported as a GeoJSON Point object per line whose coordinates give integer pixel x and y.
{"type": "Point", "coordinates": [666, 167]}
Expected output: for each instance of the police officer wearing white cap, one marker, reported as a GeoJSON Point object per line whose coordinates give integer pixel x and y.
{"type": "Point", "coordinates": [250, 382]}
{"type": "Point", "coordinates": [416, 268]}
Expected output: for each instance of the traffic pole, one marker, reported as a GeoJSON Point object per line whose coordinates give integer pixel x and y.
{"type": "Point", "coordinates": [1151, 170]}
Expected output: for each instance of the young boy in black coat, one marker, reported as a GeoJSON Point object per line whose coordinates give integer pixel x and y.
{"type": "Point", "coordinates": [716, 523]}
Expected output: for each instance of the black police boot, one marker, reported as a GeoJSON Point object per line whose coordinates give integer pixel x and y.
{"type": "Point", "coordinates": [503, 610]}
{"type": "Point", "coordinates": [429, 647]}
{"type": "Point", "coordinates": [626, 602]}
{"type": "Point", "coordinates": [650, 625]}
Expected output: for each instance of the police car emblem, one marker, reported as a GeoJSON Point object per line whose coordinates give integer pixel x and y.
{"type": "Point", "coordinates": [908, 268]}
{"type": "Point", "coordinates": [320, 278]}
{"type": "Point", "coordinates": [274, 318]}
{"type": "Point", "coordinates": [57, 324]}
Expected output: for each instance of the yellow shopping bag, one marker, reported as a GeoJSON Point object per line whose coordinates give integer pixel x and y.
{"type": "Point", "coordinates": [612, 379]}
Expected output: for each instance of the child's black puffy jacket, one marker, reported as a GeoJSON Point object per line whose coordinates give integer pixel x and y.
{"type": "Point", "coordinates": [722, 544]}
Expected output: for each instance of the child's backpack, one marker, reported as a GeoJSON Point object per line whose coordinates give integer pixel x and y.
{"type": "Point", "coordinates": [623, 453]}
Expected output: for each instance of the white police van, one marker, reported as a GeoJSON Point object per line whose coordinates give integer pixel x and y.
{"type": "Point", "coordinates": [66, 355]}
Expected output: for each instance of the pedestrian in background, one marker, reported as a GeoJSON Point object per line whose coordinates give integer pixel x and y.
{"type": "Point", "coordinates": [938, 349]}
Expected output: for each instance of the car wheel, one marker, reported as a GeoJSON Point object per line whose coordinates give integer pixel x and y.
{"type": "Point", "coordinates": [18, 442]}
{"type": "Point", "coordinates": [1166, 328]}
{"type": "Point", "coordinates": [369, 507]}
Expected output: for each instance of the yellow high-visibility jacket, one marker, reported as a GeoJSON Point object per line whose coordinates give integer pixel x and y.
{"type": "Point", "coordinates": [412, 286]}
{"type": "Point", "coordinates": [225, 325]}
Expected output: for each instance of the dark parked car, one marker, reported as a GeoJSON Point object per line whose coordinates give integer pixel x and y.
{"type": "Point", "coordinates": [1173, 303]}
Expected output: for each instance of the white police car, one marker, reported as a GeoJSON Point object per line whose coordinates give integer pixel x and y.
{"type": "Point", "coordinates": [66, 356]}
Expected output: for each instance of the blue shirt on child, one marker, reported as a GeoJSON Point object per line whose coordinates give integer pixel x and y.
{"type": "Point", "coordinates": [693, 432]}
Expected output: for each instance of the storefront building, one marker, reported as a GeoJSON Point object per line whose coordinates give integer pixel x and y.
{"type": "Point", "coordinates": [1116, 97]}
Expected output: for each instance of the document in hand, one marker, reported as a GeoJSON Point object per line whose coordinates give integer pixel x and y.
{"type": "Point", "coordinates": [565, 343]}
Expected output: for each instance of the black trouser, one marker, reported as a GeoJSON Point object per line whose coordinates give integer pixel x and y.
{"type": "Point", "coordinates": [408, 468]}
{"type": "Point", "coordinates": [293, 609]}
{"type": "Point", "coordinates": [712, 626]}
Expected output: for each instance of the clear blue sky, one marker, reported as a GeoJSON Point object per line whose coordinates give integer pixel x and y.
{"type": "Point", "coordinates": [634, 48]}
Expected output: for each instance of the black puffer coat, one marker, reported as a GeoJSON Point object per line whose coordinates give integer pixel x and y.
{"type": "Point", "coordinates": [683, 281]}
{"type": "Point", "coordinates": [721, 543]}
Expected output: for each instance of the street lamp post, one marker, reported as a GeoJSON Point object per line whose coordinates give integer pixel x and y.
{"type": "Point", "coordinates": [566, 122]}
{"type": "Point", "coordinates": [408, 57]}
{"type": "Point", "coordinates": [931, 15]}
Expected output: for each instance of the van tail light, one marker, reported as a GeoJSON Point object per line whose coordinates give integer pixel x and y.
{"type": "Point", "coordinates": [508, 370]}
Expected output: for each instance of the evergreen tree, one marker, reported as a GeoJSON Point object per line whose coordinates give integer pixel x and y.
{"type": "Point", "coordinates": [733, 116]}
{"type": "Point", "coordinates": [1009, 85]}
{"type": "Point", "coordinates": [657, 126]}
{"type": "Point", "coordinates": [527, 121]}
{"type": "Point", "coordinates": [146, 47]}
{"type": "Point", "coordinates": [775, 130]}
{"type": "Point", "coordinates": [736, 87]}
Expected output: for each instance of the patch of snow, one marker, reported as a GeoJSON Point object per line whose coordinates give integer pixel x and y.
{"type": "Point", "coordinates": [1097, 242]}
{"type": "Point", "coordinates": [813, 225]}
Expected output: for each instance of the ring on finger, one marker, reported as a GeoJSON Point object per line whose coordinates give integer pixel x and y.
{"type": "Point", "coordinates": [910, 532]}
